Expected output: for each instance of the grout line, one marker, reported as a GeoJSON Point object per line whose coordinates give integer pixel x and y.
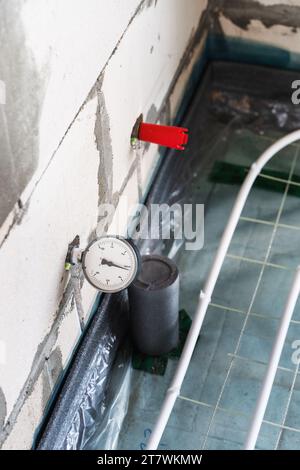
{"type": "Point", "coordinates": [254, 295]}
{"type": "Point", "coordinates": [267, 222]}
{"type": "Point", "coordinates": [292, 227]}
{"type": "Point", "coordinates": [257, 261]}
{"type": "Point", "coordinates": [196, 402]}
{"type": "Point", "coordinates": [256, 221]}
{"type": "Point", "coordinates": [231, 309]}
{"type": "Point", "coordinates": [283, 427]}
{"type": "Point", "coordinates": [287, 405]}
{"type": "Point", "coordinates": [237, 413]}
{"type": "Point", "coordinates": [237, 310]}
{"type": "Point", "coordinates": [263, 363]}
{"type": "Point", "coordinates": [281, 180]}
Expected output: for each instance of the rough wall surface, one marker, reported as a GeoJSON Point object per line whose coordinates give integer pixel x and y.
{"type": "Point", "coordinates": [270, 22]}
{"type": "Point", "coordinates": [74, 76]}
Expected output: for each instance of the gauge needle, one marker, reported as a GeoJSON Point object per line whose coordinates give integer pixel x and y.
{"type": "Point", "coordinates": [110, 263]}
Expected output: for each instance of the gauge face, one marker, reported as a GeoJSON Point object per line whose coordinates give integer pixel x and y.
{"type": "Point", "coordinates": [110, 263]}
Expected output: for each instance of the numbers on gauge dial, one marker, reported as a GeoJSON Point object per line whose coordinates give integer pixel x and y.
{"type": "Point", "coordinates": [110, 264]}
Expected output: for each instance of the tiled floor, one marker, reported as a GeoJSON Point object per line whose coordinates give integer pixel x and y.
{"type": "Point", "coordinates": [222, 383]}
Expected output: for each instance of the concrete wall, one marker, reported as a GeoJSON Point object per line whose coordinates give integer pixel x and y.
{"type": "Point", "coordinates": [74, 76]}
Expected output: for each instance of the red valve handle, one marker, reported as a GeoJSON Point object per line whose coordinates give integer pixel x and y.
{"type": "Point", "coordinates": [167, 136]}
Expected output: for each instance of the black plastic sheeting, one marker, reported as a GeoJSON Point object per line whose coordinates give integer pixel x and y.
{"type": "Point", "coordinates": [85, 398]}
{"type": "Point", "coordinates": [92, 403]}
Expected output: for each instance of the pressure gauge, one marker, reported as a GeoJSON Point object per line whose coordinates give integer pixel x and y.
{"type": "Point", "coordinates": [110, 263]}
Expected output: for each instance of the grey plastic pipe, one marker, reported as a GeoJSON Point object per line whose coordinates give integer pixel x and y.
{"type": "Point", "coordinates": [265, 392]}
{"type": "Point", "coordinates": [205, 295]}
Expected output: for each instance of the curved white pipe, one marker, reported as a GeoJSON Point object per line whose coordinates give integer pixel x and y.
{"type": "Point", "coordinates": [205, 295]}
{"type": "Point", "coordinates": [265, 392]}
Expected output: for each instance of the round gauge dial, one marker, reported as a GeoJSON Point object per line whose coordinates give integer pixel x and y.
{"type": "Point", "coordinates": [110, 263]}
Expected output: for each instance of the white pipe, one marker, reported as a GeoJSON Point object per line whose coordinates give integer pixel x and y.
{"type": "Point", "coordinates": [205, 295]}
{"type": "Point", "coordinates": [269, 378]}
